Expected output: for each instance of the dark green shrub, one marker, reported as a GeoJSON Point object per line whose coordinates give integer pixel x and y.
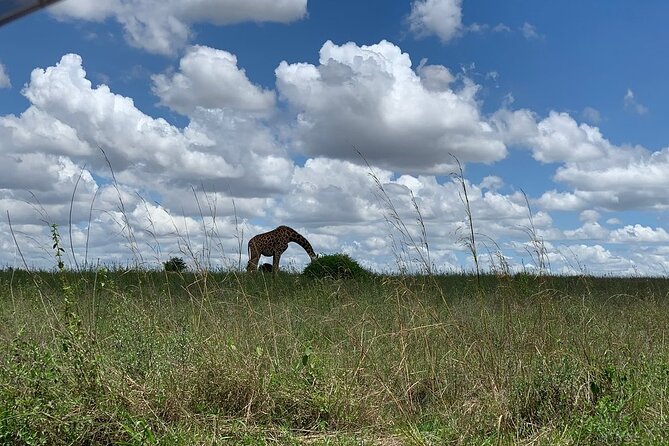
{"type": "Point", "coordinates": [176, 265]}
{"type": "Point", "coordinates": [336, 266]}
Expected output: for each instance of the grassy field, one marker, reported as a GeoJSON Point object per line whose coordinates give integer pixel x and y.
{"type": "Point", "coordinates": [114, 357]}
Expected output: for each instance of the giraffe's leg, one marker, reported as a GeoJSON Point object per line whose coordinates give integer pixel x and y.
{"type": "Point", "coordinates": [275, 263]}
{"type": "Point", "coordinates": [253, 263]}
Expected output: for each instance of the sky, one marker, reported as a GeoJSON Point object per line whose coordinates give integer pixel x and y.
{"type": "Point", "coordinates": [149, 130]}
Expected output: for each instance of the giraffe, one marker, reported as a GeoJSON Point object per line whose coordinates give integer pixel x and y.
{"type": "Point", "coordinates": [274, 243]}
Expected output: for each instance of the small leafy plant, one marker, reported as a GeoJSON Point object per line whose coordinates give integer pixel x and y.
{"type": "Point", "coordinates": [58, 249]}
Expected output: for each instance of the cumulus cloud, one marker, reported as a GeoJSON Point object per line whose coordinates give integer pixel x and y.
{"type": "Point", "coordinates": [223, 148]}
{"type": "Point", "coordinates": [589, 231]}
{"type": "Point", "coordinates": [165, 26]}
{"type": "Point", "coordinates": [639, 234]}
{"type": "Point", "coordinates": [577, 259]}
{"type": "Point", "coordinates": [556, 138]}
{"type": "Point", "coordinates": [210, 78]}
{"type": "Point", "coordinates": [4, 78]}
{"type": "Point", "coordinates": [36, 131]}
{"type": "Point", "coordinates": [54, 184]}
{"type": "Point", "coordinates": [370, 97]}
{"type": "Point", "coordinates": [624, 178]}
{"type": "Point", "coordinates": [562, 201]}
{"type": "Point", "coordinates": [434, 77]}
{"type": "Point", "coordinates": [442, 18]}
{"type": "Point", "coordinates": [409, 120]}
{"type": "Point", "coordinates": [223, 151]}
{"type": "Point", "coordinates": [320, 183]}
{"type": "Point", "coordinates": [561, 138]}
{"type": "Point", "coordinates": [599, 173]}
{"type": "Point", "coordinates": [589, 216]}
{"type": "Point", "coordinates": [103, 118]}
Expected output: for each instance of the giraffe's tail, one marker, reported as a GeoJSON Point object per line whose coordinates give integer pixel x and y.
{"type": "Point", "coordinates": [249, 266]}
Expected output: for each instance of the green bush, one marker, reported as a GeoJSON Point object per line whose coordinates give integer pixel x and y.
{"type": "Point", "coordinates": [175, 264]}
{"type": "Point", "coordinates": [336, 266]}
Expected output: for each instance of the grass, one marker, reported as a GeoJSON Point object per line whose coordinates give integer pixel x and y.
{"type": "Point", "coordinates": [127, 357]}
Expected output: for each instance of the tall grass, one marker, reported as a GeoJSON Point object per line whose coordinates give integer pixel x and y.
{"type": "Point", "coordinates": [155, 358]}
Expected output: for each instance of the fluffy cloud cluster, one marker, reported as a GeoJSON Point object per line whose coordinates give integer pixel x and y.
{"type": "Point", "coordinates": [58, 135]}
{"type": "Point", "coordinates": [556, 138]}
{"type": "Point", "coordinates": [600, 174]}
{"type": "Point", "coordinates": [639, 234]}
{"type": "Point", "coordinates": [370, 98]}
{"type": "Point", "coordinates": [209, 78]}
{"type": "Point", "coordinates": [80, 118]}
{"type": "Point", "coordinates": [440, 17]}
{"type": "Point", "coordinates": [622, 178]}
{"type": "Point", "coordinates": [405, 121]}
{"type": "Point", "coordinates": [161, 27]}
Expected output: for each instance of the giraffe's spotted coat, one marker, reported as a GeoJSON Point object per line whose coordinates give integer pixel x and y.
{"type": "Point", "coordinates": [273, 244]}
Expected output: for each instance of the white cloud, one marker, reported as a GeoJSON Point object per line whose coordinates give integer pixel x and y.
{"type": "Point", "coordinates": [623, 178]}
{"type": "Point", "coordinates": [111, 121]}
{"type": "Point", "coordinates": [589, 231]}
{"type": "Point", "coordinates": [54, 184]}
{"type": "Point", "coordinates": [529, 31]}
{"type": "Point", "coordinates": [556, 138]}
{"type": "Point", "coordinates": [501, 28]}
{"type": "Point", "coordinates": [4, 78]}
{"type": "Point", "coordinates": [210, 78]}
{"type": "Point", "coordinates": [478, 28]}
{"type": "Point", "coordinates": [586, 259]}
{"type": "Point", "coordinates": [319, 184]}
{"type": "Point", "coordinates": [434, 77]}
{"type": "Point", "coordinates": [164, 27]}
{"type": "Point", "coordinates": [491, 182]}
{"type": "Point", "coordinates": [223, 148]}
{"type": "Point", "coordinates": [632, 104]}
{"type": "Point", "coordinates": [440, 17]}
{"type": "Point", "coordinates": [600, 174]}
{"type": "Point", "coordinates": [36, 131]}
{"type": "Point", "coordinates": [233, 147]}
{"type": "Point", "coordinates": [369, 97]}
{"type": "Point", "coordinates": [561, 201]}
{"type": "Point", "coordinates": [560, 138]}
{"type": "Point", "coordinates": [589, 216]}
{"type": "Point", "coordinates": [639, 234]}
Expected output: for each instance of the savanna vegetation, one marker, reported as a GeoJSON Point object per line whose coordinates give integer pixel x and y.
{"type": "Point", "coordinates": [149, 357]}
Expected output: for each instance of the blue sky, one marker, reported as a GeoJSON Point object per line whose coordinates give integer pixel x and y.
{"type": "Point", "coordinates": [260, 103]}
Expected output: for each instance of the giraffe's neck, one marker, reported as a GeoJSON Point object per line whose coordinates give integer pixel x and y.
{"type": "Point", "coordinates": [296, 237]}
